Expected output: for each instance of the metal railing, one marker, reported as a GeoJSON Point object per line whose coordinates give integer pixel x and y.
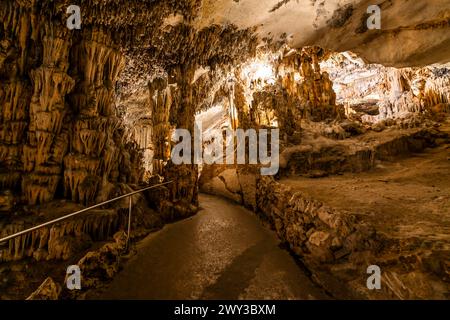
{"type": "Point", "coordinates": [71, 215]}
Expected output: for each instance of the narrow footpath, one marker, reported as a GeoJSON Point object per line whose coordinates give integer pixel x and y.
{"type": "Point", "coordinates": [223, 252]}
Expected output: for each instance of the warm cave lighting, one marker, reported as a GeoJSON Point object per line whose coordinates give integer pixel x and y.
{"type": "Point", "coordinates": [259, 73]}
{"type": "Point", "coordinates": [224, 155]}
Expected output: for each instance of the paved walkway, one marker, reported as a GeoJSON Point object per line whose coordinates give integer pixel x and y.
{"type": "Point", "coordinates": [221, 253]}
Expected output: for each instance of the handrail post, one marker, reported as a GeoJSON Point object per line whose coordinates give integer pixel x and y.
{"type": "Point", "coordinates": [129, 222]}
{"type": "Point", "coordinates": [73, 214]}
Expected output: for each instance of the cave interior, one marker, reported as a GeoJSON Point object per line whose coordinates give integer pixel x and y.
{"type": "Point", "coordinates": [89, 113]}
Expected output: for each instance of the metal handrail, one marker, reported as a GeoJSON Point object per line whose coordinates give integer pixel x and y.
{"type": "Point", "coordinates": [63, 218]}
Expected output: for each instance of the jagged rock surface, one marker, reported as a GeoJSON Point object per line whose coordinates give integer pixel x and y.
{"type": "Point", "coordinates": [48, 290]}
{"type": "Point", "coordinates": [67, 130]}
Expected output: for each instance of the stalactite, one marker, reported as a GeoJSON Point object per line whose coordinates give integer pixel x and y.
{"type": "Point", "coordinates": [47, 111]}
{"type": "Point", "coordinates": [185, 176]}
{"type": "Point", "coordinates": [302, 77]}
{"type": "Point", "coordinates": [96, 134]}
{"type": "Point", "coordinates": [160, 104]}
{"type": "Point", "coordinates": [61, 133]}
{"type": "Point", "coordinates": [60, 241]}
{"type": "Point", "coordinates": [15, 95]}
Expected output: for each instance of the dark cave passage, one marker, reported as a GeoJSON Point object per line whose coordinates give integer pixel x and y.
{"type": "Point", "coordinates": [223, 252]}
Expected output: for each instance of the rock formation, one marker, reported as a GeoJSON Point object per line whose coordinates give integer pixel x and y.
{"type": "Point", "coordinates": [61, 133]}
{"type": "Point", "coordinates": [375, 93]}
{"type": "Point", "coordinates": [88, 114]}
{"type": "Point", "coordinates": [63, 136]}
{"type": "Point", "coordinates": [49, 290]}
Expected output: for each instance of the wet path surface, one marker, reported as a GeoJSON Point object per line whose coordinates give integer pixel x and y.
{"type": "Point", "coordinates": [221, 253]}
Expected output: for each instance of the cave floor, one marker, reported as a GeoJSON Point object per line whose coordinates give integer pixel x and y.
{"type": "Point", "coordinates": [408, 198]}
{"type": "Point", "coordinates": [224, 252]}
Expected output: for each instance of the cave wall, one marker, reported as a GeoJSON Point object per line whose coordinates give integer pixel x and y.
{"type": "Point", "coordinates": [386, 92]}
{"type": "Point", "coordinates": [301, 91]}
{"type": "Point", "coordinates": [60, 133]}
{"type": "Point", "coordinates": [297, 92]}
{"type": "Point", "coordinates": [160, 103]}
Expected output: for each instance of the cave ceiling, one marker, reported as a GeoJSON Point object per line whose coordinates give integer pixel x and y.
{"type": "Point", "coordinates": [421, 27]}
{"type": "Point", "coordinates": [158, 36]}
{"type": "Point", "coordinates": [155, 31]}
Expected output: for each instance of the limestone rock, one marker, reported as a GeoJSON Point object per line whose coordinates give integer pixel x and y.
{"type": "Point", "coordinates": [248, 183]}
{"type": "Point", "coordinates": [48, 290]}
{"type": "Point", "coordinates": [319, 238]}
{"type": "Point", "coordinates": [6, 201]}
{"type": "Point", "coordinates": [230, 179]}
{"type": "Point", "coordinates": [217, 187]}
{"type": "Point", "coordinates": [103, 264]}
{"type": "Point", "coordinates": [61, 241]}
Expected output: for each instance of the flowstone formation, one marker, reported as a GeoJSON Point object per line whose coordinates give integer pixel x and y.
{"type": "Point", "coordinates": [348, 124]}
{"type": "Point", "coordinates": [68, 135]}
{"type": "Point", "coordinates": [373, 93]}
{"type": "Point", "coordinates": [302, 77]}
{"type": "Point", "coordinates": [61, 135]}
